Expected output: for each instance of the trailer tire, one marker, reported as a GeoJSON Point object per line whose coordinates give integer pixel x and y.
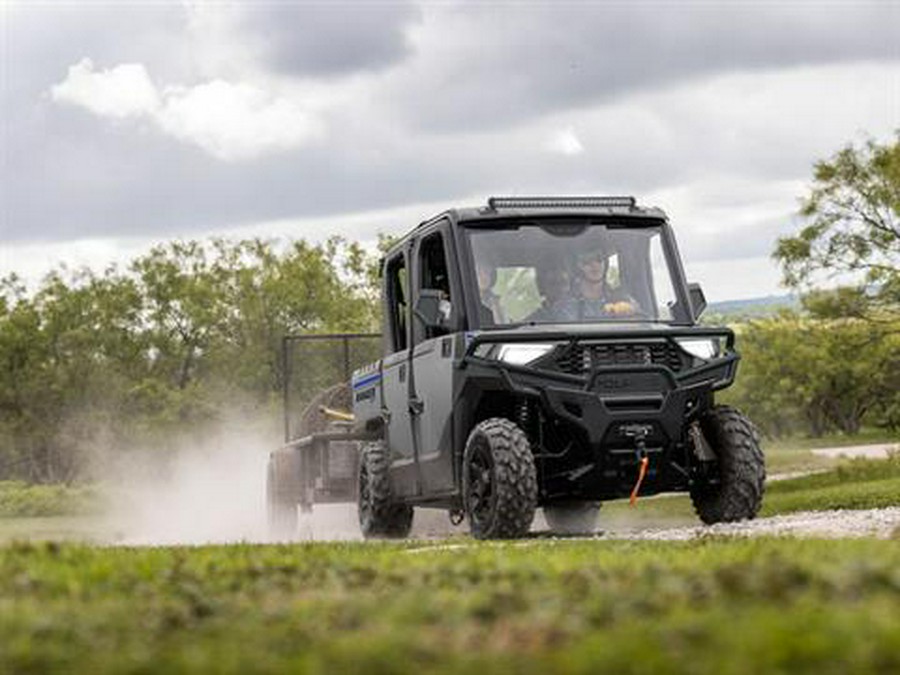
{"type": "Point", "coordinates": [572, 517]}
{"type": "Point", "coordinates": [281, 510]}
{"type": "Point", "coordinates": [741, 468]}
{"type": "Point", "coordinates": [499, 480]}
{"type": "Point", "coordinates": [380, 516]}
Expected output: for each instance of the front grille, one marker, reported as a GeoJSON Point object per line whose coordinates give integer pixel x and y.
{"type": "Point", "coordinates": [579, 358]}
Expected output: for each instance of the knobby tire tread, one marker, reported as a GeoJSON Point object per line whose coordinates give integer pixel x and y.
{"type": "Point", "coordinates": [387, 518]}
{"type": "Point", "coordinates": [515, 479]}
{"type": "Point", "coordinates": [742, 469]}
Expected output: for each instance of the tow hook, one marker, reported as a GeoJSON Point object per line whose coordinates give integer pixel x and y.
{"type": "Point", "coordinates": [643, 463]}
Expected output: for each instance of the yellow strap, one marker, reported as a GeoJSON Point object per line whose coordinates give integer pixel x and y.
{"type": "Point", "coordinates": [336, 414]}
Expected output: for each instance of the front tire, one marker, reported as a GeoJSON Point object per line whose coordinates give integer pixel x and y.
{"type": "Point", "coordinates": [572, 517]}
{"type": "Point", "coordinates": [499, 480]}
{"type": "Point", "coordinates": [741, 468]}
{"type": "Point", "coordinates": [379, 515]}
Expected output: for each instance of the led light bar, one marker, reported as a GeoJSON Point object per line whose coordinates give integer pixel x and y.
{"type": "Point", "coordinates": [559, 202]}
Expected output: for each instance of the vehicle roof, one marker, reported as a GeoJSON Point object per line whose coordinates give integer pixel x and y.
{"type": "Point", "coordinates": [489, 212]}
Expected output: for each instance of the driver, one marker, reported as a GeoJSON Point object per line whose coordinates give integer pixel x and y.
{"type": "Point", "coordinates": [592, 296]}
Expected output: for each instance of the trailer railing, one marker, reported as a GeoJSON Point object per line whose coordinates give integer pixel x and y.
{"type": "Point", "coordinates": [314, 363]}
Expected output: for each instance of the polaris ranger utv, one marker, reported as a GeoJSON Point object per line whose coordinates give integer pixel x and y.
{"type": "Point", "coordinates": [538, 352]}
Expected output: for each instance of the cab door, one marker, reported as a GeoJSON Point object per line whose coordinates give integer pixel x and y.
{"type": "Point", "coordinates": [396, 375]}
{"type": "Point", "coordinates": [432, 362]}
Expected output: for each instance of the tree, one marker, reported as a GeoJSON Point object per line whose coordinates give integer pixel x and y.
{"type": "Point", "coordinates": [819, 376]}
{"type": "Point", "coordinates": [852, 232]}
{"type": "Point", "coordinates": [188, 334]}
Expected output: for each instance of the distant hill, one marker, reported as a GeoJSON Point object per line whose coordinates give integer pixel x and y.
{"type": "Point", "coordinates": [768, 305]}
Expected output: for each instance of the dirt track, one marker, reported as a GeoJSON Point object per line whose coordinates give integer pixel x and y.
{"type": "Point", "coordinates": [831, 524]}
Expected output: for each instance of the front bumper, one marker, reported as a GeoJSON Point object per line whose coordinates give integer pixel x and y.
{"type": "Point", "coordinates": [618, 412]}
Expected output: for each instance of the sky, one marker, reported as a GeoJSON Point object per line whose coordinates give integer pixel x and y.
{"type": "Point", "coordinates": [127, 124]}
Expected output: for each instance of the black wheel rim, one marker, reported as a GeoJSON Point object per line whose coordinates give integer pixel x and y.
{"type": "Point", "coordinates": [481, 494]}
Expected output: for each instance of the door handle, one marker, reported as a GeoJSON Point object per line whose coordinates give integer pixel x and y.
{"type": "Point", "coordinates": [416, 406]}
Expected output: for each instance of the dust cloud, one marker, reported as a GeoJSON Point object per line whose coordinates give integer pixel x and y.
{"type": "Point", "coordinates": [206, 491]}
{"type": "Point", "coordinates": [210, 488]}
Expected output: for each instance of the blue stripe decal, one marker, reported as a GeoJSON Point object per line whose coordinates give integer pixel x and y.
{"type": "Point", "coordinates": [370, 379]}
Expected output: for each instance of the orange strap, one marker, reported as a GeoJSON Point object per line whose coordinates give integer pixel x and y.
{"type": "Point", "coordinates": [645, 461]}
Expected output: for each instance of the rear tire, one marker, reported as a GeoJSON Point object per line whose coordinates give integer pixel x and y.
{"type": "Point", "coordinates": [281, 509]}
{"type": "Point", "coordinates": [572, 517]}
{"type": "Point", "coordinates": [379, 515]}
{"type": "Point", "coordinates": [499, 480]}
{"type": "Point", "coordinates": [741, 468]}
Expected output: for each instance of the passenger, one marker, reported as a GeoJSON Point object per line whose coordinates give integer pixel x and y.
{"type": "Point", "coordinates": [554, 285]}
{"type": "Point", "coordinates": [491, 309]}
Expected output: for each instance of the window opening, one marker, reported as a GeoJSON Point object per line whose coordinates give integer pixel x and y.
{"type": "Point", "coordinates": [434, 276]}
{"type": "Point", "coordinates": [398, 294]}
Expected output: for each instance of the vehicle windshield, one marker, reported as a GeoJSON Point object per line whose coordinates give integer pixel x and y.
{"type": "Point", "coordinates": [565, 271]}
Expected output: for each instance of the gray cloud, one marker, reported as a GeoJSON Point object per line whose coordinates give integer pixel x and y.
{"type": "Point", "coordinates": [466, 108]}
{"type": "Point", "coordinates": [43, 39]}
{"type": "Point", "coordinates": [328, 39]}
{"type": "Point", "coordinates": [72, 178]}
{"type": "Point", "coordinates": [498, 64]}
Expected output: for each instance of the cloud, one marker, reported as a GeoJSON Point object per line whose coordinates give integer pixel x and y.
{"type": "Point", "coordinates": [120, 92]}
{"type": "Point", "coordinates": [309, 40]}
{"type": "Point", "coordinates": [335, 38]}
{"type": "Point", "coordinates": [235, 121]}
{"type": "Point", "coordinates": [565, 142]}
{"type": "Point", "coordinates": [230, 121]}
{"type": "Point", "coordinates": [726, 140]}
{"type": "Point", "coordinates": [492, 65]}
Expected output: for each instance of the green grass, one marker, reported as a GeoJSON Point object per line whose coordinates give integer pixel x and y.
{"type": "Point", "coordinates": [865, 495]}
{"type": "Point", "coordinates": [854, 484]}
{"type": "Point", "coordinates": [710, 606]}
{"type": "Point", "coordinates": [57, 528]}
{"type": "Point", "coordinates": [19, 499]}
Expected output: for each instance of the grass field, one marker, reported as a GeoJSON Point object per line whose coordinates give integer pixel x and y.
{"type": "Point", "coordinates": [710, 606]}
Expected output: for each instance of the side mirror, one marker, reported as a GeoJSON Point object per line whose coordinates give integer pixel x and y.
{"type": "Point", "coordinates": [698, 300]}
{"type": "Point", "coordinates": [428, 307]}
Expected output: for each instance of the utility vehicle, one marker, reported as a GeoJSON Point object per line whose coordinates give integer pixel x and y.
{"type": "Point", "coordinates": [537, 352]}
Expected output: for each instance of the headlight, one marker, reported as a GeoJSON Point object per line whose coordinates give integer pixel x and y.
{"type": "Point", "coordinates": [517, 354]}
{"type": "Point", "coordinates": [702, 348]}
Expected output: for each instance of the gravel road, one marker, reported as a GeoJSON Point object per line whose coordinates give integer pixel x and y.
{"type": "Point", "coordinates": [881, 523]}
